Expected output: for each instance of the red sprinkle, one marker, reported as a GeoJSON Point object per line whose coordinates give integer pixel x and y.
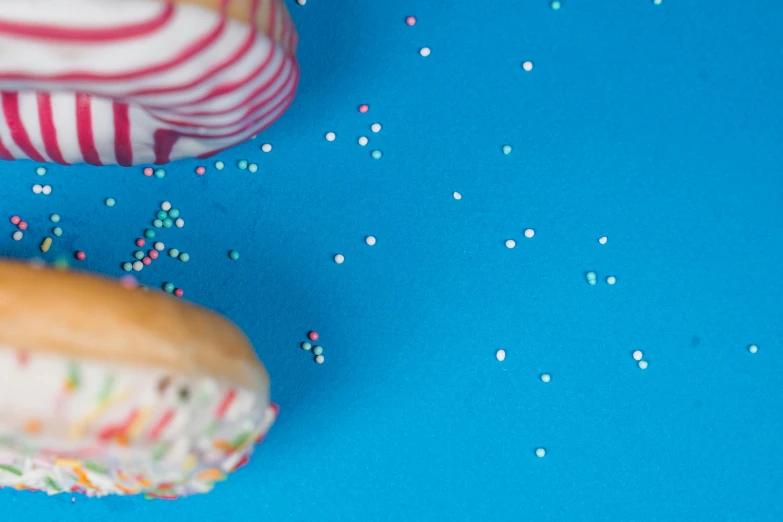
{"type": "Point", "coordinates": [23, 225]}
{"type": "Point", "coordinates": [81, 256]}
{"type": "Point", "coordinates": [146, 260]}
{"type": "Point", "coordinates": [140, 242]}
{"type": "Point", "coordinates": [200, 171]}
{"type": "Point", "coordinates": [313, 336]}
{"type": "Point", "coordinates": [153, 254]}
{"type": "Point", "coordinates": [148, 171]}
{"type": "Point", "coordinates": [364, 108]}
{"type": "Point", "coordinates": [411, 20]}
{"type": "Point", "coordinates": [178, 292]}
{"type": "Point", "coordinates": [15, 220]}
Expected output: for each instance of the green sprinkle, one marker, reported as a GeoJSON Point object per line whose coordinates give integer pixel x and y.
{"type": "Point", "coordinates": [54, 218]}
{"type": "Point", "coordinates": [10, 469]}
{"type": "Point", "coordinates": [149, 233]}
{"type": "Point", "coordinates": [139, 254]}
{"type": "Point", "coordinates": [241, 439]}
{"type": "Point", "coordinates": [160, 173]}
{"type": "Point", "coordinates": [318, 350]}
{"type": "Point", "coordinates": [233, 254]}
{"type": "Point", "coordinates": [219, 165]}
{"type": "Point", "coordinates": [174, 213]}
{"type": "Point", "coordinates": [110, 202]}
{"type": "Point", "coordinates": [242, 164]}
{"type": "Point", "coordinates": [173, 252]}
{"type": "Point", "coordinates": [162, 214]}
{"type": "Point", "coordinates": [73, 375]}
{"type": "Point", "coordinates": [252, 167]}
{"type": "Point", "coordinates": [376, 154]}
{"type": "Point", "coordinates": [108, 385]}
{"type": "Point", "coordinates": [40, 171]}
{"type": "Point", "coordinates": [168, 223]}
{"type": "Point", "coordinates": [57, 231]}
{"type": "Point", "coordinates": [127, 267]}
{"type": "Point", "coordinates": [555, 4]}
{"type": "Point", "coordinates": [52, 484]}
{"type": "Point", "coordinates": [184, 257]}
{"type": "Point", "coordinates": [160, 450]}
{"type": "Point", "coordinates": [157, 223]}
{"type": "Point", "coordinates": [506, 149]}
{"type": "Point", "coordinates": [97, 468]}
{"type": "Point", "coordinates": [168, 287]}
{"type": "Point", "coordinates": [591, 277]}
{"type": "Point", "coordinates": [306, 346]}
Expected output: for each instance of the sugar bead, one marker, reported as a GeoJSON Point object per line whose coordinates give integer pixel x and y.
{"type": "Point", "coordinates": [233, 254]}
{"type": "Point", "coordinates": [179, 222]}
{"type": "Point", "coordinates": [637, 355]}
{"type": "Point", "coordinates": [425, 51]}
{"type": "Point", "coordinates": [219, 165]}
{"type": "Point", "coordinates": [527, 66]}
{"type": "Point", "coordinates": [753, 348]}
{"type": "Point", "coordinates": [610, 280]}
{"type": "Point", "coordinates": [339, 259]}
{"type": "Point", "coordinates": [110, 202]}
{"type": "Point", "coordinates": [37, 189]}
{"type": "Point", "coordinates": [375, 127]}
{"type": "Point", "coordinates": [22, 225]}
{"type": "Point", "coordinates": [200, 171]}
{"type": "Point", "coordinates": [592, 278]}
{"type": "Point", "coordinates": [457, 195]}
{"type": "Point", "coordinates": [411, 21]}
{"type": "Point", "coordinates": [370, 240]}
{"type": "Point", "coordinates": [510, 243]}
{"type": "Point", "coordinates": [545, 377]}
{"type": "Point", "coordinates": [17, 235]}
{"type": "Point", "coordinates": [376, 154]}
{"type": "Point", "coordinates": [507, 149]}
{"type": "Point", "coordinates": [252, 167]}
{"type": "Point", "coordinates": [184, 257]}
{"type": "Point", "coordinates": [530, 233]}
{"type": "Point", "coordinates": [313, 336]}
{"type": "Point", "coordinates": [242, 164]}
{"type": "Point", "coordinates": [500, 355]}
{"type": "Point", "coordinates": [555, 5]}
{"type": "Point", "coordinates": [160, 173]}
{"type": "Point", "coordinates": [602, 240]}
{"type": "Point", "coordinates": [127, 266]}
{"type": "Point", "coordinates": [266, 147]}
{"type": "Point", "coordinates": [138, 266]}
{"type": "Point", "coordinates": [330, 136]}
{"type": "Point", "coordinates": [40, 171]}
{"type": "Point", "coordinates": [81, 256]}
{"type": "Point", "coordinates": [165, 206]}
{"type": "Point", "coordinates": [168, 287]}
{"type": "Point", "coordinates": [158, 246]}
{"type": "Point", "coordinates": [173, 252]}
{"type": "Point", "coordinates": [179, 292]}
{"type": "Point", "coordinates": [168, 223]}
{"type": "Point", "coordinates": [364, 108]}
{"type": "Point", "coordinates": [57, 231]}
{"type": "Point", "coordinates": [149, 233]}
{"type": "Point", "coordinates": [174, 213]}
{"type": "Point", "coordinates": [306, 346]}
{"type": "Point", "coordinates": [15, 220]}
{"type": "Point", "coordinates": [643, 364]}
{"type": "Point", "coordinates": [319, 359]}
{"type": "Point", "coordinates": [318, 350]}
{"type": "Point", "coordinates": [540, 452]}
{"type": "Point", "coordinates": [147, 171]}
{"type": "Point", "coordinates": [363, 140]}
{"type": "Point", "coordinates": [54, 218]}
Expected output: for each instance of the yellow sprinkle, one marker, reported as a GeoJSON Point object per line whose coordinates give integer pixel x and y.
{"type": "Point", "coordinates": [190, 462]}
{"type": "Point", "coordinates": [69, 463]}
{"type": "Point", "coordinates": [77, 430]}
{"type": "Point", "coordinates": [210, 474]}
{"type": "Point", "coordinates": [46, 244]}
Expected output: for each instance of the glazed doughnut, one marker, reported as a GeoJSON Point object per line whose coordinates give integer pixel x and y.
{"type": "Point", "coordinates": [108, 390]}
{"type": "Point", "coordinates": [133, 82]}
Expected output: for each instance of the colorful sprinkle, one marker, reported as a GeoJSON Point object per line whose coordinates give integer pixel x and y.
{"type": "Point", "coordinates": [266, 147]}
{"type": "Point", "coordinates": [500, 355]}
{"type": "Point", "coordinates": [555, 5]}
{"type": "Point", "coordinates": [510, 243]}
{"type": "Point", "coordinates": [529, 233]}
{"type": "Point", "coordinates": [110, 202]}
{"type": "Point", "coordinates": [642, 365]}
{"type": "Point", "coordinates": [252, 167]}
{"type": "Point", "coordinates": [168, 287]}
{"type": "Point", "coordinates": [637, 355]}
{"type": "Point", "coordinates": [15, 220]}
{"type": "Point", "coordinates": [46, 245]}
{"type": "Point", "coordinates": [57, 231]}
{"type": "Point", "coordinates": [411, 21]}
{"type": "Point", "coordinates": [457, 196]}
{"type": "Point", "coordinates": [138, 266]}
{"type": "Point", "coordinates": [140, 242]}
{"type": "Point", "coordinates": [507, 149]}
{"type": "Point", "coordinates": [527, 66]}
{"type": "Point", "coordinates": [54, 218]}
{"type": "Point", "coordinates": [152, 254]}
{"type": "Point", "coordinates": [179, 292]}
{"type": "Point", "coordinates": [200, 171]}
{"type": "Point", "coordinates": [545, 377]}
{"type": "Point", "coordinates": [37, 189]}
{"type": "Point", "coordinates": [160, 173]}
{"type": "Point", "coordinates": [753, 348]}
{"type": "Point", "coordinates": [127, 266]}
{"type": "Point", "coordinates": [363, 141]}
{"type": "Point", "coordinates": [602, 240]}
{"type": "Point", "coordinates": [364, 108]}
{"type": "Point", "coordinates": [173, 252]}
{"type": "Point", "coordinates": [40, 171]}
{"type": "Point", "coordinates": [168, 223]}
{"type": "Point", "coordinates": [318, 350]}
{"type": "Point", "coordinates": [81, 256]}
{"type": "Point", "coordinates": [184, 257]}
{"type": "Point", "coordinates": [149, 233]}
{"type": "Point", "coordinates": [179, 222]}
{"type": "Point", "coordinates": [330, 136]}
{"type": "Point", "coordinates": [159, 246]}
{"type": "Point", "coordinates": [146, 260]}
{"type": "Point", "coordinates": [148, 171]}
{"type": "Point", "coordinates": [376, 154]}
{"type": "Point", "coordinates": [306, 346]}
{"type": "Point", "coordinates": [17, 235]}
{"type": "Point", "coordinates": [242, 164]}
{"type": "Point", "coordinates": [233, 254]}
{"type": "Point", "coordinates": [375, 127]}
{"type": "Point", "coordinates": [219, 165]}
{"type": "Point", "coordinates": [610, 280]}
{"type": "Point", "coordinates": [591, 277]}
{"type": "Point", "coordinates": [157, 223]}
{"type": "Point", "coordinates": [425, 51]}
{"type": "Point", "coordinates": [319, 359]}
{"type": "Point", "coordinates": [165, 207]}
{"type": "Point", "coordinates": [540, 452]}
{"type": "Point", "coordinates": [339, 259]}
{"type": "Point", "coordinates": [174, 213]}
{"type": "Point", "coordinates": [313, 336]}
{"type": "Point", "coordinates": [370, 240]}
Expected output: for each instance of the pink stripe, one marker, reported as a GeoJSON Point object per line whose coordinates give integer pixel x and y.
{"type": "Point", "coordinates": [5, 153]}
{"type": "Point", "coordinates": [123, 149]}
{"type": "Point", "coordinates": [53, 32]}
{"type": "Point", "coordinates": [163, 144]}
{"type": "Point", "coordinates": [18, 132]}
{"type": "Point", "coordinates": [48, 129]}
{"type": "Point", "coordinates": [84, 129]}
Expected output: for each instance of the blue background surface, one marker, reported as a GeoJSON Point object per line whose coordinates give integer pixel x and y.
{"type": "Point", "coordinates": [657, 126]}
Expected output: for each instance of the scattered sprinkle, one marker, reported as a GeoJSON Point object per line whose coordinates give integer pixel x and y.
{"type": "Point", "coordinates": [200, 171]}
{"type": "Point", "coordinates": [313, 335]}
{"type": "Point", "coordinates": [219, 165]}
{"type": "Point", "coordinates": [266, 147]}
{"type": "Point", "coordinates": [152, 254]}
{"type": "Point", "coordinates": [376, 154]}
{"type": "Point", "coordinates": [510, 243]}
{"type": "Point", "coordinates": [370, 240]}
{"type": "Point", "coordinates": [148, 171]}
{"type": "Point", "coordinates": [54, 218]}
{"type": "Point", "coordinates": [657, 2]}
{"type": "Point", "coordinates": [591, 277]}
{"type": "Point", "coordinates": [306, 346]}
{"type": "Point", "coordinates": [545, 377]}
{"type": "Point", "coordinates": [233, 254]}
{"type": "Point", "coordinates": [319, 359]}
{"type": "Point", "coordinates": [363, 140]}
{"type": "Point", "coordinates": [318, 350]}
{"type": "Point", "coordinates": [40, 171]}
{"type": "Point", "coordinates": [242, 164]}
{"type": "Point", "coordinates": [173, 252]}
{"type": "Point", "coordinates": [138, 254]}
{"type": "Point", "coordinates": [110, 202]}
{"type": "Point", "coordinates": [158, 245]}
{"type": "Point", "coordinates": [500, 355]}
{"type": "Point", "coordinates": [179, 292]}
{"type": "Point", "coordinates": [425, 51]}
{"type": "Point", "coordinates": [160, 173]}
{"type": "Point", "coordinates": [17, 235]}
{"type": "Point", "coordinates": [37, 189]}
{"type": "Point", "coordinates": [138, 265]}
{"type": "Point", "coordinates": [252, 167]}
{"type": "Point", "coordinates": [457, 195]}
{"type": "Point", "coordinates": [753, 348]}
{"type": "Point", "coordinates": [168, 223]}
{"type": "Point", "coordinates": [146, 260]}
{"type": "Point", "coordinates": [339, 258]}
{"type": "Point", "coordinates": [529, 233]}
{"type": "Point", "coordinates": [540, 452]}
{"type": "Point", "coordinates": [643, 365]}
{"type": "Point", "coordinates": [127, 266]}
{"type": "Point", "coordinates": [555, 4]}
{"type": "Point", "coordinates": [15, 220]}
{"type": "Point", "coordinates": [149, 233]}
{"type": "Point", "coordinates": [411, 21]}
{"type": "Point", "coordinates": [165, 206]}
{"type": "Point", "coordinates": [602, 240]}
{"type": "Point", "coordinates": [184, 257]}
{"type": "Point", "coordinates": [47, 189]}
{"type": "Point", "coordinates": [528, 66]}
{"type": "Point", "coordinates": [168, 287]}
{"type": "Point", "coordinates": [637, 355]}
{"type": "Point", "coordinates": [610, 280]}
{"type": "Point", "coordinates": [157, 223]}
{"type": "Point", "coordinates": [330, 136]}
{"type": "Point", "coordinates": [57, 231]}
{"type": "Point", "coordinates": [179, 222]}
{"type": "Point", "coordinates": [301, 2]}
{"type": "Point", "coordinates": [507, 149]}
{"type": "Point", "coordinates": [364, 108]}
{"type": "Point", "coordinates": [375, 127]}
{"type": "Point", "coordinates": [81, 256]}
{"type": "Point", "coordinates": [22, 225]}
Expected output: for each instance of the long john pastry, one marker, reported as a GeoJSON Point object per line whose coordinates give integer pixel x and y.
{"type": "Point", "coordinates": [133, 82]}
{"type": "Point", "coordinates": [109, 390]}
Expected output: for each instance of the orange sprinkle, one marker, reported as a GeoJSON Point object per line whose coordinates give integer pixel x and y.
{"type": "Point", "coordinates": [83, 480]}
{"type": "Point", "coordinates": [32, 426]}
{"type": "Point", "coordinates": [143, 482]}
{"type": "Point", "coordinates": [125, 489]}
{"type": "Point", "coordinates": [210, 474]}
{"type": "Point", "coordinates": [223, 445]}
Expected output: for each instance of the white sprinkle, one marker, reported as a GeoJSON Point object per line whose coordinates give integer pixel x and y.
{"type": "Point", "coordinates": [17, 235]}
{"type": "Point", "coordinates": [510, 243]}
{"type": "Point", "coordinates": [545, 377]}
{"type": "Point", "coordinates": [637, 355]}
{"type": "Point", "coordinates": [339, 258]}
{"type": "Point", "coordinates": [610, 280]}
{"type": "Point", "coordinates": [266, 147]}
{"type": "Point", "coordinates": [643, 365]}
{"type": "Point", "coordinates": [602, 240]}
{"type": "Point", "coordinates": [37, 188]}
{"type": "Point", "coordinates": [330, 136]}
{"type": "Point", "coordinates": [457, 195]}
{"type": "Point", "coordinates": [165, 206]}
{"type": "Point", "coordinates": [319, 359]}
{"type": "Point", "coordinates": [46, 189]}
{"type": "Point", "coordinates": [180, 222]}
{"type": "Point", "coordinates": [301, 2]}
{"type": "Point", "coordinates": [591, 278]}
{"type": "Point", "coordinates": [370, 240]}
{"type": "Point", "coordinates": [375, 127]}
{"type": "Point", "coordinates": [159, 245]}
{"type": "Point", "coordinates": [657, 2]}
{"type": "Point", "coordinates": [501, 355]}
{"type": "Point", "coordinates": [363, 141]}
{"type": "Point", "coordinates": [753, 348]}
{"type": "Point", "coordinates": [425, 51]}
{"type": "Point", "coordinates": [530, 233]}
{"type": "Point", "coordinates": [528, 66]}
{"type": "Point", "coordinates": [540, 452]}
{"type": "Point", "coordinates": [138, 265]}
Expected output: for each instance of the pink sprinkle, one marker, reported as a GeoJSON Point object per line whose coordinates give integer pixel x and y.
{"type": "Point", "coordinates": [411, 20]}
{"type": "Point", "coordinates": [128, 282]}
{"type": "Point", "coordinates": [313, 336]}
{"type": "Point", "coordinates": [15, 220]}
{"type": "Point", "coordinates": [364, 108]}
{"type": "Point", "coordinates": [148, 171]}
{"type": "Point", "coordinates": [81, 256]}
{"type": "Point", "coordinates": [178, 292]}
{"type": "Point", "coordinates": [140, 242]}
{"type": "Point", "coordinates": [200, 171]}
{"type": "Point", "coordinates": [23, 225]}
{"type": "Point", "coordinates": [146, 260]}
{"type": "Point", "coordinates": [153, 254]}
